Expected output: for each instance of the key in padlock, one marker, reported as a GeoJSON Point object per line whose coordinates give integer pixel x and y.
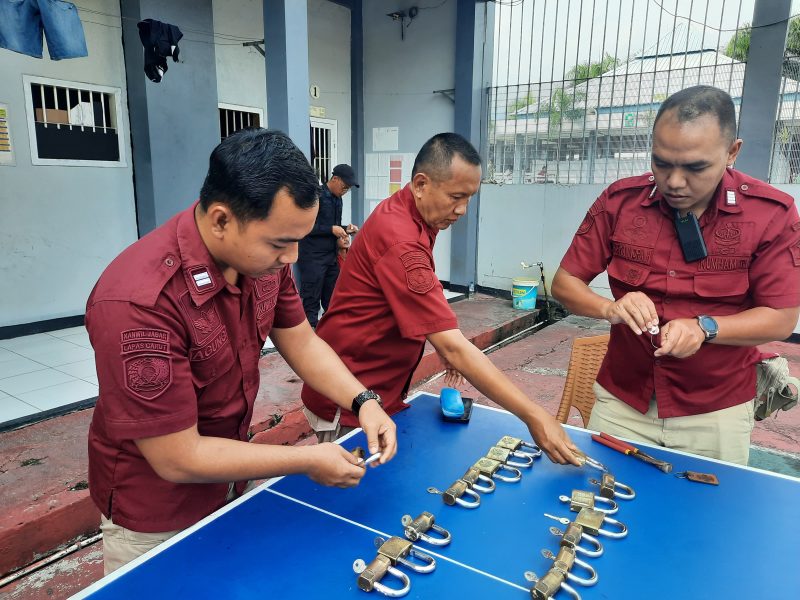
{"type": "Point", "coordinates": [417, 529]}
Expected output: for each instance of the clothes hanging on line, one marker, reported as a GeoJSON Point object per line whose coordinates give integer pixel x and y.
{"type": "Point", "coordinates": [160, 40]}
{"type": "Point", "coordinates": [23, 21]}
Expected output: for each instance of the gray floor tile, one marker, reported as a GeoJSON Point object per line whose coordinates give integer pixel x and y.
{"type": "Point", "coordinates": [69, 331]}
{"type": "Point", "coordinates": [7, 355]}
{"type": "Point", "coordinates": [79, 339]}
{"type": "Point", "coordinates": [18, 366]}
{"type": "Point", "coordinates": [60, 395]}
{"type": "Point", "coordinates": [25, 341]}
{"type": "Point", "coordinates": [62, 356]}
{"type": "Point", "coordinates": [11, 408]}
{"type": "Point", "coordinates": [19, 384]}
{"type": "Point", "coordinates": [81, 369]}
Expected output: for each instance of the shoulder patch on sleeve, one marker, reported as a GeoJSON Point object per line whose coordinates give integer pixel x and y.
{"type": "Point", "coordinates": [419, 274]}
{"type": "Point", "coordinates": [148, 376]}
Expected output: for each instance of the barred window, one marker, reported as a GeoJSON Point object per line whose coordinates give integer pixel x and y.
{"type": "Point", "coordinates": [235, 118]}
{"type": "Point", "coordinates": [73, 123]}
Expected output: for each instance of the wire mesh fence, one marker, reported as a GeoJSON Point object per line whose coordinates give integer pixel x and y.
{"type": "Point", "coordinates": [577, 84]}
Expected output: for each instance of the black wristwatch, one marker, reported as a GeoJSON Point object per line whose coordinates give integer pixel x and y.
{"type": "Point", "coordinates": [364, 396]}
{"type": "Point", "coordinates": [708, 325]}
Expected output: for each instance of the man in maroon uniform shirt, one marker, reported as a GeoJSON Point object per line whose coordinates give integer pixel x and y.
{"type": "Point", "coordinates": [177, 323]}
{"type": "Point", "coordinates": [695, 392]}
{"type": "Point", "coordinates": [388, 301]}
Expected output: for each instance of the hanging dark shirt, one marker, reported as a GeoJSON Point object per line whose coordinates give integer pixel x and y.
{"type": "Point", "coordinates": [160, 40]}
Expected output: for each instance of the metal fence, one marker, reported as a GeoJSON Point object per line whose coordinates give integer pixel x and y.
{"type": "Point", "coordinates": [577, 84]}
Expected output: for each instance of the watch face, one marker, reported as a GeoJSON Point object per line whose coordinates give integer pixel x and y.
{"type": "Point", "coordinates": [708, 324]}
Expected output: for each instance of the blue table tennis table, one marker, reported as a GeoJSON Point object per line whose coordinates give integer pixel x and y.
{"type": "Point", "coordinates": [292, 538]}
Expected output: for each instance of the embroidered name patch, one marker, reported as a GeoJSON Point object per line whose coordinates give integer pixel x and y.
{"type": "Point", "coordinates": [148, 376]}
{"type": "Point", "coordinates": [632, 253]}
{"type": "Point", "coordinates": [419, 275]}
{"type": "Point", "coordinates": [724, 263]}
{"type": "Point", "coordinates": [144, 340]}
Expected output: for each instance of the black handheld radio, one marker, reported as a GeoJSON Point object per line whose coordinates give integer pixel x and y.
{"type": "Point", "coordinates": [691, 238]}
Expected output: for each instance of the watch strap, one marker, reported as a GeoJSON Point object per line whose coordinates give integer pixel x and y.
{"type": "Point", "coordinates": [363, 397]}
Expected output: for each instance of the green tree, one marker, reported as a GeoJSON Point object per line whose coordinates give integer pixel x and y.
{"type": "Point", "coordinates": [519, 103]}
{"type": "Point", "coordinates": [562, 106]}
{"type": "Point", "coordinates": [585, 71]}
{"type": "Point", "coordinates": [738, 47]}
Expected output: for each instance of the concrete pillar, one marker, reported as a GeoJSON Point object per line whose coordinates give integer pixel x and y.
{"type": "Point", "coordinates": [474, 47]}
{"type": "Point", "coordinates": [762, 86]}
{"type": "Point", "coordinates": [174, 123]}
{"type": "Point", "coordinates": [286, 49]}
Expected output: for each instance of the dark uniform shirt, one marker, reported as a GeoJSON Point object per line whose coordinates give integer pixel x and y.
{"type": "Point", "coordinates": [175, 345]}
{"type": "Point", "coordinates": [321, 243]}
{"type": "Point", "coordinates": [387, 300]}
{"type": "Point", "coordinates": [752, 233]}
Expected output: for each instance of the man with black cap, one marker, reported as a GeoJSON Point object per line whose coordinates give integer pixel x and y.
{"type": "Point", "coordinates": [317, 265]}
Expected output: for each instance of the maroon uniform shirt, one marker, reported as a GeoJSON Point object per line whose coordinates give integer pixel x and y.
{"type": "Point", "coordinates": [175, 345]}
{"type": "Point", "coordinates": [387, 299]}
{"type": "Point", "coordinates": [752, 233]}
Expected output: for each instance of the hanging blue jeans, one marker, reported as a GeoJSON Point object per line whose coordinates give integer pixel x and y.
{"type": "Point", "coordinates": [22, 22]}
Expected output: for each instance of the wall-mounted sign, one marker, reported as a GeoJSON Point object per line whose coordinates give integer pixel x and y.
{"type": "Point", "coordinates": [314, 91]}
{"type": "Point", "coordinates": [6, 150]}
{"type": "Point", "coordinates": [317, 111]}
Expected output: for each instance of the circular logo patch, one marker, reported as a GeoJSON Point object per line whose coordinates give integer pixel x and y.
{"type": "Point", "coordinates": [148, 376]}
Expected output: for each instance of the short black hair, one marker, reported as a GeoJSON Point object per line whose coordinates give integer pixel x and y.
{"type": "Point", "coordinates": [436, 155]}
{"type": "Point", "coordinates": [696, 101]}
{"type": "Point", "coordinates": [247, 169]}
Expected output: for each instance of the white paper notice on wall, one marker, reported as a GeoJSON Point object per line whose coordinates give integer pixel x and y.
{"type": "Point", "coordinates": [385, 139]}
{"type": "Point", "coordinates": [6, 150]}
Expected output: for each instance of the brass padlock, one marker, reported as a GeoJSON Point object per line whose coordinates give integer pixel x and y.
{"type": "Point", "coordinates": [564, 560]}
{"type": "Point", "coordinates": [471, 476]}
{"type": "Point", "coordinates": [548, 586]}
{"type": "Point", "coordinates": [486, 466]}
{"type": "Point", "coordinates": [478, 482]}
{"type": "Point", "coordinates": [498, 454]}
{"type": "Point", "coordinates": [581, 499]}
{"type": "Point", "coordinates": [607, 485]}
{"type": "Point", "coordinates": [373, 573]}
{"type": "Point", "coordinates": [510, 443]}
{"type": "Point", "coordinates": [394, 549]}
{"type": "Point", "coordinates": [591, 520]}
{"type": "Point", "coordinates": [454, 491]}
{"type": "Point", "coordinates": [418, 529]}
{"type": "Point", "coordinates": [572, 535]}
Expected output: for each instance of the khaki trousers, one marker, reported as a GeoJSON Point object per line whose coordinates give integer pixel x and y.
{"type": "Point", "coordinates": [327, 431]}
{"type": "Point", "coordinates": [122, 545]}
{"type": "Point", "coordinates": [721, 434]}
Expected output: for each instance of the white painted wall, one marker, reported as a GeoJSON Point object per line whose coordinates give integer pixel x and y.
{"type": "Point", "coordinates": [536, 223]}
{"type": "Point", "coordinates": [529, 223]}
{"type": "Point", "coordinates": [399, 79]}
{"type": "Point", "coordinates": [61, 226]}
{"type": "Point", "coordinates": [241, 75]}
